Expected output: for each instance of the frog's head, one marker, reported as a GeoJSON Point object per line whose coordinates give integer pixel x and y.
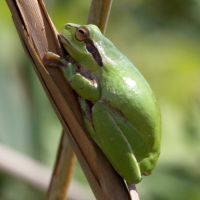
{"type": "Point", "coordinates": [85, 44]}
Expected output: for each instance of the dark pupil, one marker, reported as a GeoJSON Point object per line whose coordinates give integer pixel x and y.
{"type": "Point", "coordinates": [81, 31]}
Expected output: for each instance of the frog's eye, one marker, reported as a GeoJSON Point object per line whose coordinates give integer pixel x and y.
{"type": "Point", "coordinates": [82, 33]}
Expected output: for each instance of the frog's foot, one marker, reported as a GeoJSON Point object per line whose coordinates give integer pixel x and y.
{"type": "Point", "coordinates": [53, 60]}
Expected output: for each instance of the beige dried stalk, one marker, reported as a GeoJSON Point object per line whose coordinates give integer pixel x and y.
{"type": "Point", "coordinates": [65, 161]}
{"type": "Point", "coordinates": [38, 36]}
{"type": "Point", "coordinates": [63, 168]}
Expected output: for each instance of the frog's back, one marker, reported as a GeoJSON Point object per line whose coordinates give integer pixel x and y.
{"type": "Point", "coordinates": [132, 97]}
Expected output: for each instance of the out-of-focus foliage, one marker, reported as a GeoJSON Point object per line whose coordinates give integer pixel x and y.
{"type": "Point", "coordinates": [161, 37]}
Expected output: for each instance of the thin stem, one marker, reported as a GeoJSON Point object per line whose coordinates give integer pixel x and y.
{"type": "Point", "coordinates": [99, 13]}
{"type": "Point", "coordinates": [63, 169]}
{"type": "Point", "coordinates": [133, 192]}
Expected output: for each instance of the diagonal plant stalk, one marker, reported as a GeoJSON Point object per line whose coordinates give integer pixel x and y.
{"type": "Point", "coordinates": [99, 13]}
{"type": "Point", "coordinates": [63, 168]}
{"type": "Point", "coordinates": [38, 36]}
{"type": "Point", "coordinates": [65, 161]}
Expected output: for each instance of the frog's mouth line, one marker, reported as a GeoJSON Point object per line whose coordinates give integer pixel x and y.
{"type": "Point", "coordinates": [90, 48]}
{"type": "Point", "coordinates": [65, 39]}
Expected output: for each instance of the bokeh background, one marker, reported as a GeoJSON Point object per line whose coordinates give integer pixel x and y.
{"type": "Point", "coordinates": [162, 39]}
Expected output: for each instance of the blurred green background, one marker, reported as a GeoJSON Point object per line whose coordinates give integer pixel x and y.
{"type": "Point", "coordinates": [162, 39]}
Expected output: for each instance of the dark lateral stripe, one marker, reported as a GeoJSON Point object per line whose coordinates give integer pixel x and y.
{"type": "Point", "coordinates": [94, 51]}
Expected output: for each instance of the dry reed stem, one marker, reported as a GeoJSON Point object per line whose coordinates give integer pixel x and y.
{"type": "Point", "coordinates": [38, 36]}
{"type": "Point", "coordinates": [65, 161]}
{"type": "Point", "coordinates": [99, 13]}
{"type": "Point", "coordinates": [64, 166]}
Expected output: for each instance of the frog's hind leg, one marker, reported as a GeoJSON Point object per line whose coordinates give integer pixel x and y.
{"type": "Point", "coordinates": [114, 144]}
{"type": "Point", "coordinates": [86, 108]}
{"type": "Point", "coordinates": [104, 130]}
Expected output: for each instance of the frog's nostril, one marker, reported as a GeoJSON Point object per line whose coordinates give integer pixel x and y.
{"type": "Point", "coordinates": [67, 26]}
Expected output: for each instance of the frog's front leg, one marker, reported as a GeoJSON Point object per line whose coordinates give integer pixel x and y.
{"type": "Point", "coordinates": [105, 131]}
{"type": "Point", "coordinates": [84, 87]}
{"type": "Point", "coordinates": [56, 59]}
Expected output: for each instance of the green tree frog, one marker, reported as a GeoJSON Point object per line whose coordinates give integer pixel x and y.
{"type": "Point", "coordinates": [119, 108]}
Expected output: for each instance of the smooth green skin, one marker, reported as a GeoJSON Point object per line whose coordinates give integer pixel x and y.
{"type": "Point", "coordinates": [126, 118]}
